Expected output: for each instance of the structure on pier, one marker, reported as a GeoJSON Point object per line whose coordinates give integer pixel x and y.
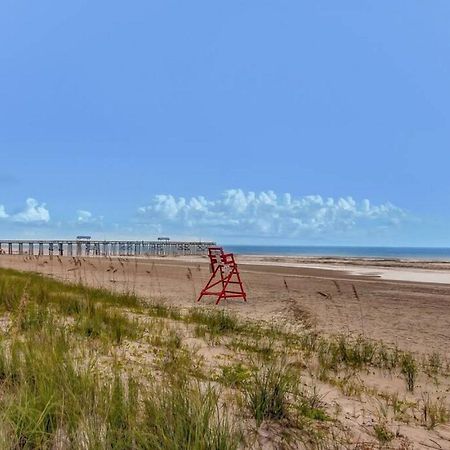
{"type": "Point", "coordinates": [87, 247]}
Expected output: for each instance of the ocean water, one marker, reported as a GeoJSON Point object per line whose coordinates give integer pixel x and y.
{"type": "Point", "coordinates": [422, 253]}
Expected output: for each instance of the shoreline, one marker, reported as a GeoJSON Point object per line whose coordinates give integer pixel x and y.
{"type": "Point", "coordinates": [439, 254]}
{"type": "Point", "coordinates": [378, 261]}
{"type": "Point", "coordinates": [386, 269]}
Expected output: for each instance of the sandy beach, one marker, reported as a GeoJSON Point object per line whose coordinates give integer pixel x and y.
{"type": "Point", "coordinates": [391, 302]}
{"type": "Point", "coordinates": [399, 302]}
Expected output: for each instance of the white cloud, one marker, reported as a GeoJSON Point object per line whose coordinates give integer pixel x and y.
{"type": "Point", "coordinates": [239, 213]}
{"type": "Point", "coordinates": [86, 217]}
{"type": "Point", "coordinates": [33, 212]}
{"type": "Point", "coordinates": [3, 213]}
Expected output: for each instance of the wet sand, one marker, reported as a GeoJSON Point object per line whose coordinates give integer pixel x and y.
{"type": "Point", "coordinates": [383, 300]}
{"type": "Point", "coordinates": [388, 269]}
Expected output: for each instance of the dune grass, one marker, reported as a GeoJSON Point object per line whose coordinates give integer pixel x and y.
{"type": "Point", "coordinates": [267, 392]}
{"type": "Point", "coordinates": [55, 394]}
{"type": "Point", "coordinates": [52, 397]}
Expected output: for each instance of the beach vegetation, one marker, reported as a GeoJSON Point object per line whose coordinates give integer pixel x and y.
{"type": "Point", "coordinates": [383, 433]}
{"type": "Point", "coordinates": [409, 370]}
{"type": "Point", "coordinates": [433, 412]}
{"type": "Point", "coordinates": [267, 392]}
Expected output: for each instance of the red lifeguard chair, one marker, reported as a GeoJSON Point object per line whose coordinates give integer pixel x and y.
{"type": "Point", "coordinates": [225, 281]}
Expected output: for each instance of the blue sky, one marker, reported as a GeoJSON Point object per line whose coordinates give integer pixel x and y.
{"type": "Point", "coordinates": [265, 122]}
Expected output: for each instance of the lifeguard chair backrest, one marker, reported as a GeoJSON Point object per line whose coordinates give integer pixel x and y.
{"type": "Point", "coordinates": [216, 257]}
{"type": "Point", "coordinates": [228, 258]}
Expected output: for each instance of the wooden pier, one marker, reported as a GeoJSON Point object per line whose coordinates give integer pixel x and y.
{"type": "Point", "coordinates": [103, 248]}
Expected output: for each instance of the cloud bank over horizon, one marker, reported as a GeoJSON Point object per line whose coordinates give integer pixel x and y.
{"type": "Point", "coordinates": [237, 213]}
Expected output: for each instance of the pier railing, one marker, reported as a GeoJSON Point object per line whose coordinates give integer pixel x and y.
{"type": "Point", "coordinates": [103, 248]}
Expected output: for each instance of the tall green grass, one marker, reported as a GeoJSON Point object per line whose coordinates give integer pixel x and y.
{"type": "Point", "coordinates": [56, 394]}
{"type": "Point", "coordinates": [99, 322]}
{"type": "Point", "coordinates": [188, 413]}
{"type": "Point", "coordinates": [267, 392]}
{"type": "Point", "coordinates": [53, 396]}
{"type": "Point", "coordinates": [17, 286]}
{"type": "Point", "coordinates": [216, 322]}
